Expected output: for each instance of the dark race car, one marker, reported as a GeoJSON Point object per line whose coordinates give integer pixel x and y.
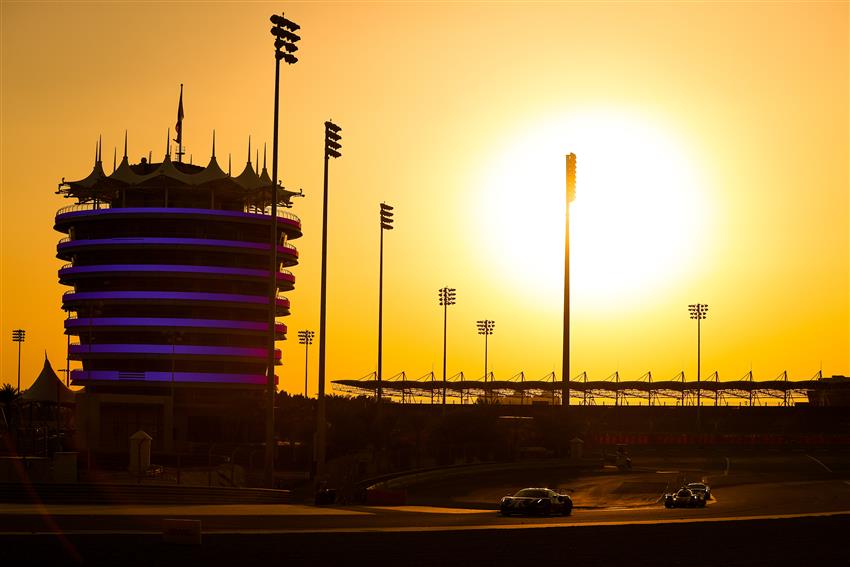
{"type": "Point", "coordinates": [542, 501]}
{"type": "Point", "coordinates": [683, 498]}
{"type": "Point", "coordinates": [700, 489]}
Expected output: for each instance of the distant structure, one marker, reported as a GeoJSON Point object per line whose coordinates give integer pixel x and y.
{"type": "Point", "coordinates": [818, 391]}
{"type": "Point", "coordinates": [169, 276]}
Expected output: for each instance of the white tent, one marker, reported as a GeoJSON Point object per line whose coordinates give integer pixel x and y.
{"type": "Point", "coordinates": [48, 388]}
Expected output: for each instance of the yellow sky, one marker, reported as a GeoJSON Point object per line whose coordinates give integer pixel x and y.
{"type": "Point", "coordinates": [712, 143]}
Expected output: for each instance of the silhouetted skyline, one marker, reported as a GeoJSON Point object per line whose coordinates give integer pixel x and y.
{"type": "Point", "coordinates": [713, 167]}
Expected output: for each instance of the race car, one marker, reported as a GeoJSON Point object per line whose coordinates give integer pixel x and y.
{"type": "Point", "coordinates": [683, 498]}
{"type": "Point", "coordinates": [700, 488]}
{"type": "Point", "coordinates": [543, 501]}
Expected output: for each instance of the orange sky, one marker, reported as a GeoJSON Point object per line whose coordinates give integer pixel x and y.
{"type": "Point", "coordinates": [712, 143]}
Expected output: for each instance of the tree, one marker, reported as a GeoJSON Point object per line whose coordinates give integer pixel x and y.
{"type": "Point", "coordinates": [9, 396]}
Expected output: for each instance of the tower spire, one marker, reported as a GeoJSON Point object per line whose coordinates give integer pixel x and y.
{"type": "Point", "coordinates": [249, 150]}
{"type": "Point", "coordinates": [114, 158]}
{"type": "Point", "coordinates": [229, 169]}
{"type": "Point", "coordinates": [125, 144]}
{"type": "Point", "coordinates": [213, 147]}
{"type": "Point", "coordinates": [168, 144]}
{"type": "Point", "coordinates": [100, 148]}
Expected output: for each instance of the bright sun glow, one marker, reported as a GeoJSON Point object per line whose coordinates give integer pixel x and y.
{"type": "Point", "coordinates": [636, 223]}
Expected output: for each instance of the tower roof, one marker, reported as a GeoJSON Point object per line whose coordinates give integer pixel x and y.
{"type": "Point", "coordinates": [144, 175]}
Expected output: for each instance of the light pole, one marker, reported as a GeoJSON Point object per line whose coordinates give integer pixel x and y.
{"type": "Point", "coordinates": [305, 338]}
{"type": "Point", "coordinates": [386, 224]}
{"type": "Point", "coordinates": [18, 336]}
{"type": "Point", "coordinates": [485, 327]}
{"type": "Point", "coordinates": [332, 147]}
{"type": "Point", "coordinates": [284, 45]}
{"type": "Point", "coordinates": [698, 311]}
{"type": "Point", "coordinates": [447, 297]}
{"type": "Point", "coordinates": [565, 363]}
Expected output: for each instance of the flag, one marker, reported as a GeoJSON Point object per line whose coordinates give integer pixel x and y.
{"type": "Point", "coordinates": [179, 126]}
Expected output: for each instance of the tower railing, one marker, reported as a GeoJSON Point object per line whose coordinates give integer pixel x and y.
{"type": "Point", "coordinates": [90, 206]}
{"type": "Point", "coordinates": [98, 205]}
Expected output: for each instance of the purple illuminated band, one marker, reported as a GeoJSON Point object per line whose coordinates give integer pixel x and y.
{"type": "Point", "coordinates": [172, 268]}
{"type": "Point", "coordinates": [82, 376]}
{"type": "Point", "coordinates": [171, 322]}
{"type": "Point", "coordinates": [168, 349]}
{"type": "Point", "coordinates": [133, 242]}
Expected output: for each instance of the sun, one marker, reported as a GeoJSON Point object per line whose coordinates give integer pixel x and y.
{"type": "Point", "coordinates": [637, 222]}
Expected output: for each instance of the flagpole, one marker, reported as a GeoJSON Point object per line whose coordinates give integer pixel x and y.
{"type": "Point", "coordinates": [179, 127]}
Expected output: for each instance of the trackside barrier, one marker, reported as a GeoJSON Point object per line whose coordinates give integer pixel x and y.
{"type": "Point", "coordinates": [766, 439]}
{"type": "Point", "coordinates": [386, 497]}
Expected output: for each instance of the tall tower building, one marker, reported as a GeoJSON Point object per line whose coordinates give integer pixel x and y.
{"type": "Point", "coordinates": [168, 269]}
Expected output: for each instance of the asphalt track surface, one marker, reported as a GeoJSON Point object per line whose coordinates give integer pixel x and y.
{"type": "Point", "coordinates": [768, 509]}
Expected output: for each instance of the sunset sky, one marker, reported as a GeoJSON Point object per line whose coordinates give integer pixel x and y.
{"type": "Point", "coordinates": [713, 159]}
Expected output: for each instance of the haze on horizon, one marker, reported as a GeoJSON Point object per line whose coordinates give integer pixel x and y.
{"type": "Point", "coordinates": [712, 144]}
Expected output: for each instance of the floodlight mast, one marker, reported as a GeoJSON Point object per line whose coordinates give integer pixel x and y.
{"type": "Point", "coordinates": [285, 39]}
{"type": "Point", "coordinates": [332, 149]}
{"type": "Point", "coordinates": [485, 327]}
{"type": "Point", "coordinates": [698, 311]}
{"type": "Point", "coordinates": [18, 336]}
{"type": "Point", "coordinates": [305, 338]}
{"type": "Point", "coordinates": [386, 220]}
{"type": "Point", "coordinates": [565, 363]}
{"type": "Point", "coordinates": [447, 297]}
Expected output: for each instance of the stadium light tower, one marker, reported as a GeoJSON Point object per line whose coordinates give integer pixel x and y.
{"type": "Point", "coordinates": [386, 224]}
{"type": "Point", "coordinates": [284, 45]}
{"type": "Point", "coordinates": [485, 327]}
{"type": "Point", "coordinates": [698, 311]}
{"type": "Point", "coordinates": [305, 338]}
{"type": "Point", "coordinates": [565, 363]}
{"type": "Point", "coordinates": [18, 336]}
{"type": "Point", "coordinates": [447, 297]}
{"type": "Point", "coordinates": [332, 150]}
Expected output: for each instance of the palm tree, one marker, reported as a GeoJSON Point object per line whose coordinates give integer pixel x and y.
{"type": "Point", "coordinates": [9, 396]}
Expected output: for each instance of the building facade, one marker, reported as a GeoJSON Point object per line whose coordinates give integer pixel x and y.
{"type": "Point", "coordinates": [169, 299]}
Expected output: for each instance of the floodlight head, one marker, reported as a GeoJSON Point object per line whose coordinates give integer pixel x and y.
{"type": "Point", "coordinates": [289, 58]}
{"type": "Point", "coordinates": [285, 35]}
{"type": "Point", "coordinates": [386, 217]}
{"type": "Point", "coordinates": [571, 177]}
{"type": "Point", "coordinates": [698, 310]}
{"type": "Point", "coordinates": [280, 21]}
{"type": "Point", "coordinates": [332, 138]}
